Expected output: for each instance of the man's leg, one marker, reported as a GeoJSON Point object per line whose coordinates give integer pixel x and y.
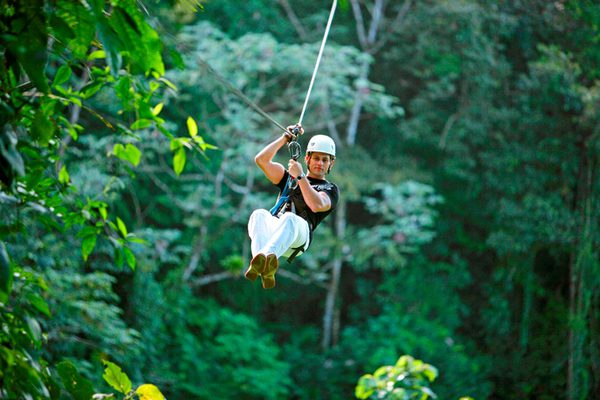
{"type": "Point", "coordinates": [292, 231]}
{"type": "Point", "coordinates": [260, 228]}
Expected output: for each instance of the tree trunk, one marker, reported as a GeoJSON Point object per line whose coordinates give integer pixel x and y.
{"type": "Point", "coordinates": [368, 39]}
{"type": "Point", "coordinates": [583, 270]}
{"type": "Point", "coordinates": [329, 336]}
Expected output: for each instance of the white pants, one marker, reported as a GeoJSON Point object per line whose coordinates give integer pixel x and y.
{"type": "Point", "coordinates": [279, 236]}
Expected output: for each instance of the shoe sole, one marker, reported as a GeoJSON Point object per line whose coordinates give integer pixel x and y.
{"type": "Point", "coordinates": [257, 267]}
{"type": "Point", "coordinates": [268, 276]}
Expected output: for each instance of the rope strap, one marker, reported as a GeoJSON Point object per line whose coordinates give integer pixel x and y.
{"type": "Point", "coordinates": [314, 74]}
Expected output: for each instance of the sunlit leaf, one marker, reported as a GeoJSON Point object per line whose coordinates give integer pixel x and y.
{"type": "Point", "coordinates": [157, 109]}
{"type": "Point", "coordinates": [192, 127]}
{"type": "Point", "coordinates": [179, 160]}
{"type": "Point", "coordinates": [129, 152]}
{"type": "Point", "coordinates": [87, 246]}
{"type": "Point", "coordinates": [149, 392]}
{"type": "Point", "coordinates": [63, 175]}
{"type": "Point", "coordinates": [129, 257]}
{"type": "Point", "coordinates": [94, 55]}
{"type": "Point", "coordinates": [122, 227]}
{"type": "Point", "coordinates": [116, 378]}
{"type": "Point", "coordinates": [141, 124]}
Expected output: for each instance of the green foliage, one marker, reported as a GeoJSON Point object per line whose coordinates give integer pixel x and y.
{"type": "Point", "coordinates": [107, 138]}
{"type": "Point", "coordinates": [407, 379]}
{"type": "Point", "coordinates": [77, 386]}
{"type": "Point", "coordinates": [80, 388]}
{"type": "Point", "coordinates": [403, 217]}
{"type": "Point", "coordinates": [22, 313]}
{"type": "Point", "coordinates": [223, 355]}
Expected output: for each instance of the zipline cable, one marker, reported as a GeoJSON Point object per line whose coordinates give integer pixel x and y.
{"type": "Point", "coordinates": [239, 93]}
{"type": "Point", "coordinates": [253, 105]}
{"type": "Point", "coordinates": [312, 79]}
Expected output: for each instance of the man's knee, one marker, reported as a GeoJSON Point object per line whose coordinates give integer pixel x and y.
{"type": "Point", "coordinates": [260, 213]}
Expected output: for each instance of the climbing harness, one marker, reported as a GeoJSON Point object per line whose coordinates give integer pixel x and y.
{"type": "Point", "coordinates": [283, 200]}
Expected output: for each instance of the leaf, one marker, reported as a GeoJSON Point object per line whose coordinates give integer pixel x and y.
{"type": "Point", "coordinates": [39, 303]}
{"type": "Point", "coordinates": [62, 75]}
{"type": "Point", "coordinates": [34, 330]}
{"type": "Point", "coordinates": [134, 239]}
{"type": "Point", "coordinates": [129, 257]}
{"type": "Point", "coordinates": [9, 152]}
{"type": "Point", "coordinates": [168, 83]}
{"type": "Point", "coordinates": [122, 227]}
{"type": "Point", "coordinates": [92, 88]}
{"type": "Point", "coordinates": [116, 378]}
{"type": "Point", "coordinates": [42, 128]}
{"type": "Point", "coordinates": [111, 44]}
{"type": "Point", "coordinates": [78, 387]}
{"type": "Point", "coordinates": [430, 372]}
{"type": "Point", "coordinates": [5, 274]}
{"type": "Point", "coordinates": [179, 161]}
{"type": "Point", "coordinates": [129, 152]}
{"type": "Point", "coordinates": [192, 127]}
{"type": "Point", "coordinates": [119, 257]}
{"type": "Point", "coordinates": [366, 387]}
{"type": "Point", "coordinates": [157, 109]}
{"type": "Point", "coordinates": [63, 176]}
{"type": "Point", "coordinates": [141, 124]}
{"type": "Point", "coordinates": [96, 55]}
{"type": "Point", "coordinates": [149, 392]}
{"type": "Point", "coordinates": [87, 246]}
{"type": "Point", "coordinates": [428, 392]}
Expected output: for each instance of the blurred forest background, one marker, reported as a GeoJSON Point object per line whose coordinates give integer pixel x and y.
{"type": "Point", "coordinates": [468, 164]}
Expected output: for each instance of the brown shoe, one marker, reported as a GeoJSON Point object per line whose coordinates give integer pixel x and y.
{"type": "Point", "coordinates": [257, 267]}
{"type": "Point", "coordinates": [268, 275]}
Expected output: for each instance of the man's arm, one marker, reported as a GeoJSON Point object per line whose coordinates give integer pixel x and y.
{"type": "Point", "coordinates": [316, 201]}
{"type": "Point", "coordinates": [274, 171]}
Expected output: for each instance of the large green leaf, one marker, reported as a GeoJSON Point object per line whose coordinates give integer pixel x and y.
{"type": "Point", "coordinates": [143, 44]}
{"type": "Point", "coordinates": [39, 303]}
{"type": "Point", "coordinates": [29, 48]}
{"type": "Point", "coordinates": [87, 246]}
{"type": "Point", "coordinates": [5, 274]}
{"type": "Point", "coordinates": [129, 152]}
{"type": "Point", "coordinates": [74, 24]}
{"type": "Point", "coordinates": [116, 378]}
{"type": "Point", "coordinates": [42, 127]}
{"type": "Point", "coordinates": [77, 386]}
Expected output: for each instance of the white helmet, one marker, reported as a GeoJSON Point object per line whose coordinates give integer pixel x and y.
{"type": "Point", "coordinates": [321, 144]}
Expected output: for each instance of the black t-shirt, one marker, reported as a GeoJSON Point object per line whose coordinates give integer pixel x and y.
{"type": "Point", "coordinates": [302, 209]}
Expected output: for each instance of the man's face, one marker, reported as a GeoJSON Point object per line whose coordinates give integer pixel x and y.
{"type": "Point", "coordinates": [319, 163]}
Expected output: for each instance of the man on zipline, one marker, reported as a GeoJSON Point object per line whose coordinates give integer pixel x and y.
{"type": "Point", "coordinates": [289, 230]}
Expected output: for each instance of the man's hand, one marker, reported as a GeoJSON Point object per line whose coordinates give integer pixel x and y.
{"type": "Point", "coordinates": [295, 168]}
{"type": "Point", "coordinates": [293, 131]}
